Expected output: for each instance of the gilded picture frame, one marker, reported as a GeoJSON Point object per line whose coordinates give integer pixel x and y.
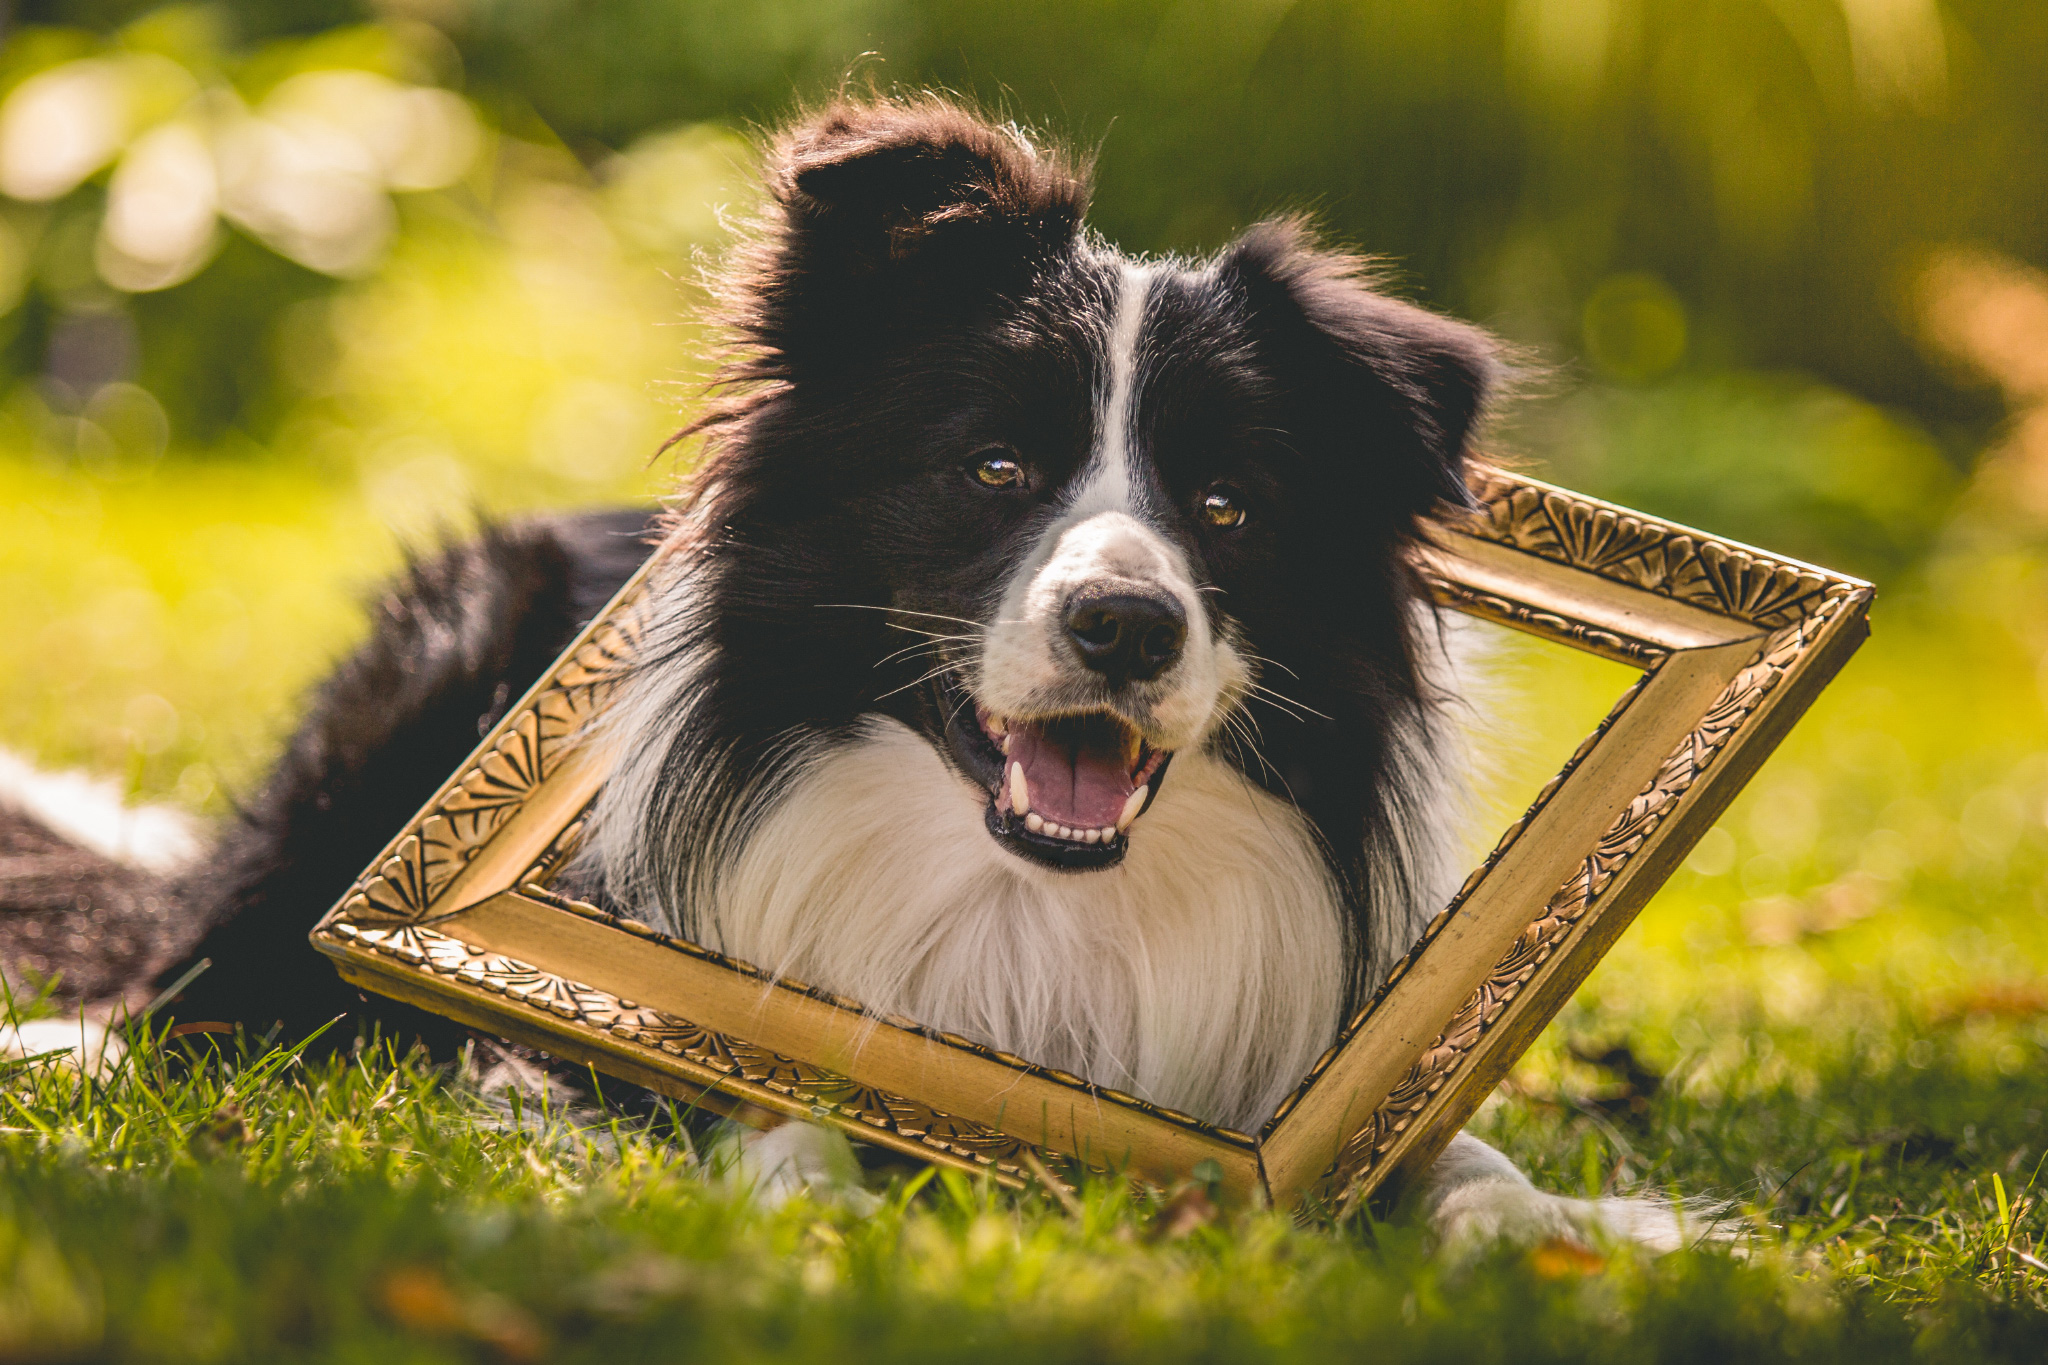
{"type": "Point", "coordinates": [1732, 644]}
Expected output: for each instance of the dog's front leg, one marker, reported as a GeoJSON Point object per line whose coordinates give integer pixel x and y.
{"type": "Point", "coordinates": [794, 1158]}
{"type": "Point", "coordinates": [1474, 1197]}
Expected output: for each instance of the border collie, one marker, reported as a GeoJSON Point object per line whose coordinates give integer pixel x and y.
{"type": "Point", "coordinates": [1042, 662]}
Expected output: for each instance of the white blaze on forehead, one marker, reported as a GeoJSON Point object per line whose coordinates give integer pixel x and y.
{"type": "Point", "coordinates": [1109, 480]}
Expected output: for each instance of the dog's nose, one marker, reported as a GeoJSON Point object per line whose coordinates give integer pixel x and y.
{"type": "Point", "coordinates": [1126, 637]}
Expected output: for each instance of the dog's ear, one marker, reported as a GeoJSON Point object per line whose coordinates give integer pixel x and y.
{"type": "Point", "coordinates": [1396, 386]}
{"type": "Point", "coordinates": [878, 204]}
{"type": "Point", "coordinates": [868, 185]}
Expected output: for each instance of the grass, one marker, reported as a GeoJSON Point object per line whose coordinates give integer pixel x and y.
{"type": "Point", "coordinates": [1835, 1015]}
{"type": "Point", "coordinates": [215, 1199]}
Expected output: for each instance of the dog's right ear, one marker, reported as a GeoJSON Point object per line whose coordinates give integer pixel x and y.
{"type": "Point", "coordinates": [900, 202]}
{"type": "Point", "coordinates": [1392, 389]}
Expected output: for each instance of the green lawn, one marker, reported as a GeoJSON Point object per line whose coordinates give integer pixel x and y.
{"type": "Point", "coordinates": [1836, 1015]}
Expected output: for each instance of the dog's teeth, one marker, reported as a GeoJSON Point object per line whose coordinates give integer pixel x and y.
{"type": "Point", "coordinates": [1020, 790]}
{"type": "Point", "coordinates": [1062, 831]}
{"type": "Point", "coordinates": [1091, 836]}
{"type": "Point", "coordinates": [1035, 823]}
{"type": "Point", "coordinates": [1006, 745]}
{"type": "Point", "coordinates": [1133, 803]}
{"type": "Point", "coordinates": [998, 726]}
{"type": "Point", "coordinates": [1108, 832]}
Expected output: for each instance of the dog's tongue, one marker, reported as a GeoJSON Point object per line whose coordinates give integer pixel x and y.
{"type": "Point", "coordinates": [1079, 770]}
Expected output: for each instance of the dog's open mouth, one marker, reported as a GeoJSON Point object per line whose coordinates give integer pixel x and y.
{"type": "Point", "coordinates": [1063, 790]}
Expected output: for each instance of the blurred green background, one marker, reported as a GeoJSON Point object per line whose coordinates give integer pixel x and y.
{"type": "Point", "coordinates": [285, 286]}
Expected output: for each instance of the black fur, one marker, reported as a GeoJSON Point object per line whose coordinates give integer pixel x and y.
{"type": "Point", "coordinates": [98, 927]}
{"type": "Point", "coordinates": [453, 642]}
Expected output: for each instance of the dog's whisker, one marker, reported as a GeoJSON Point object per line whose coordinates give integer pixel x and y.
{"type": "Point", "coordinates": [1262, 659]}
{"type": "Point", "coordinates": [936, 642]}
{"type": "Point", "coordinates": [922, 651]}
{"type": "Point", "coordinates": [958, 707]}
{"type": "Point", "coordinates": [940, 671]}
{"type": "Point", "coordinates": [1247, 745]}
{"type": "Point", "coordinates": [898, 611]}
{"type": "Point", "coordinates": [1283, 702]}
{"type": "Point", "coordinates": [1278, 705]}
{"type": "Point", "coordinates": [1246, 735]}
{"type": "Point", "coordinates": [928, 634]}
{"type": "Point", "coordinates": [1242, 728]}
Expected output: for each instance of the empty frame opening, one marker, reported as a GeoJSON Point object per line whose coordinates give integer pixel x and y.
{"type": "Point", "coordinates": [1528, 704]}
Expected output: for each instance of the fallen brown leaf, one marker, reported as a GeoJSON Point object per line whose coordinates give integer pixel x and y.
{"type": "Point", "coordinates": [1559, 1258]}
{"type": "Point", "coordinates": [1189, 1208]}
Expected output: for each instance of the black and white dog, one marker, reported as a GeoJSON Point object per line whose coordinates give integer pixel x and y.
{"type": "Point", "coordinates": [1042, 661]}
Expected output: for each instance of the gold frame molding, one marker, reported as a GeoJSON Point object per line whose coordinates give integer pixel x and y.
{"type": "Point", "coordinates": [1733, 645]}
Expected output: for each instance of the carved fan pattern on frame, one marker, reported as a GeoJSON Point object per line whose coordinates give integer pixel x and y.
{"type": "Point", "coordinates": [1643, 552]}
{"type": "Point", "coordinates": [524, 750]}
{"type": "Point", "coordinates": [754, 1070]}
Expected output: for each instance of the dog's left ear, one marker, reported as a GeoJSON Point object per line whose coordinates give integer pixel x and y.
{"type": "Point", "coordinates": [869, 186]}
{"type": "Point", "coordinates": [1394, 389]}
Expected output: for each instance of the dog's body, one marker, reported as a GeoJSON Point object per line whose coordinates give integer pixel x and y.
{"type": "Point", "coordinates": [1166, 777]}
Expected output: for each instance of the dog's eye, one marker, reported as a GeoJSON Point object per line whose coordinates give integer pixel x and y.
{"type": "Point", "coordinates": [1223, 508]}
{"type": "Point", "coordinates": [995, 468]}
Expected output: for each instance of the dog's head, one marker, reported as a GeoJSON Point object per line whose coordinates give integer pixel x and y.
{"type": "Point", "coordinates": [1067, 512]}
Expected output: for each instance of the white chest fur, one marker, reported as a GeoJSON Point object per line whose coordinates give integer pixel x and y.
{"type": "Point", "coordinates": [1203, 974]}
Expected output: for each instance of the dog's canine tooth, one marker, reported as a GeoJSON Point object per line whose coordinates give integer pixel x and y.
{"type": "Point", "coordinates": [998, 726]}
{"type": "Point", "coordinates": [1133, 803]}
{"type": "Point", "coordinates": [1020, 790]}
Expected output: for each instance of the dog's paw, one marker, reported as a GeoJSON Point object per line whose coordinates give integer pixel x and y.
{"type": "Point", "coordinates": [1475, 1199]}
{"type": "Point", "coordinates": [799, 1159]}
{"type": "Point", "coordinates": [84, 1045]}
